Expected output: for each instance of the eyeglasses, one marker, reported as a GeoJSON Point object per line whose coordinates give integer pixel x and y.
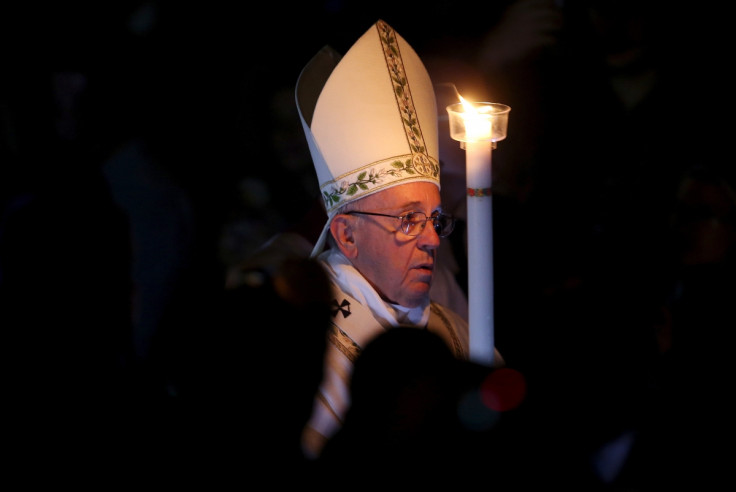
{"type": "Point", "coordinates": [413, 223]}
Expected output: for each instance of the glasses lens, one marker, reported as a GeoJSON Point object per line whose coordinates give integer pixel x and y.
{"type": "Point", "coordinates": [443, 225]}
{"type": "Point", "coordinates": [413, 223]}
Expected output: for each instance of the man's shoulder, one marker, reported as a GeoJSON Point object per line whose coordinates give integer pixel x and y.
{"type": "Point", "coordinates": [451, 327]}
{"type": "Point", "coordinates": [444, 312]}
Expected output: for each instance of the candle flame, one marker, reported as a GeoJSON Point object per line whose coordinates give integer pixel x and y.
{"type": "Point", "coordinates": [468, 107]}
{"type": "Point", "coordinates": [477, 126]}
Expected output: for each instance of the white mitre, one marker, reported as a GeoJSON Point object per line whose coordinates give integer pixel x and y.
{"type": "Point", "coordinates": [370, 119]}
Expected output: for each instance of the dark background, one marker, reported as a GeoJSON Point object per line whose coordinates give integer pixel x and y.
{"type": "Point", "coordinates": [148, 148]}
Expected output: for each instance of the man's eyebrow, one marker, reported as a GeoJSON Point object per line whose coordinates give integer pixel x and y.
{"type": "Point", "coordinates": [410, 204]}
{"type": "Point", "coordinates": [438, 209]}
{"type": "Point", "coordinates": [415, 204]}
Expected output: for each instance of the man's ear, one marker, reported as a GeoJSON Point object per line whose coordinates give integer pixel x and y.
{"type": "Point", "coordinates": [342, 231]}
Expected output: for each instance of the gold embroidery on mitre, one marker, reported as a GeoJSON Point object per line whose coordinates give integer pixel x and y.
{"type": "Point", "coordinates": [378, 175]}
{"type": "Point", "coordinates": [425, 165]}
{"type": "Point", "coordinates": [404, 101]}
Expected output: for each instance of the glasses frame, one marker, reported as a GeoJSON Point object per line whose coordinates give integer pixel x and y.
{"type": "Point", "coordinates": [404, 226]}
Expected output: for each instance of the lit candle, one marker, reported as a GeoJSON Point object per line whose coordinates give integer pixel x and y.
{"type": "Point", "coordinates": [479, 126]}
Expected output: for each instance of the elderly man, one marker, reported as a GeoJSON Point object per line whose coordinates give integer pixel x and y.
{"type": "Point", "coordinates": [370, 119]}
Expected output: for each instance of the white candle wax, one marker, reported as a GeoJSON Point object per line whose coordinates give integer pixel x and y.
{"type": "Point", "coordinates": [480, 251]}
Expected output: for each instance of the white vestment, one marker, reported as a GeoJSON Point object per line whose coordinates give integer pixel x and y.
{"type": "Point", "coordinates": [359, 315]}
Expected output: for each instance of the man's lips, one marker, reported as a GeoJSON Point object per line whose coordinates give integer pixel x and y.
{"type": "Point", "coordinates": [425, 267]}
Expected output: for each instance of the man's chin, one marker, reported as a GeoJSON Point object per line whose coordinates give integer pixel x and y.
{"type": "Point", "coordinates": [419, 297]}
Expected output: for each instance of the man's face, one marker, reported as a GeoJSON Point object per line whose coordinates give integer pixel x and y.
{"type": "Point", "coordinates": [400, 267]}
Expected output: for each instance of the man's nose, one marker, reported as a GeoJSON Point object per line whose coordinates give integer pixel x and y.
{"type": "Point", "coordinates": [429, 236]}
